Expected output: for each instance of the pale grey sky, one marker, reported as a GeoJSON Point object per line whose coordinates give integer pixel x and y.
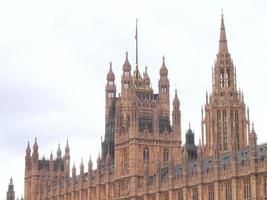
{"type": "Point", "coordinates": [54, 58]}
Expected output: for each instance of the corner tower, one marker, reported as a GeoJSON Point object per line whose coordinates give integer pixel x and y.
{"type": "Point", "coordinates": [107, 145]}
{"type": "Point", "coordinates": [225, 110]}
{"type": "Point", "coordinates": [10, 195]}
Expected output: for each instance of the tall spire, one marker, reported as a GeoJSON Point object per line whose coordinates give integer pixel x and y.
{"type": "Point", "coordinates": [223, 41]}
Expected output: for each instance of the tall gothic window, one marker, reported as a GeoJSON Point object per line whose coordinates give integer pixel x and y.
{"type": "Point", "coordinates": [180, 194]}
{"type": "Point", "coordinates": [210, 192]}
{"type": "Point", "coordinates": [228, 191]}
{"type": "Point", "coordinates": [222, 78]}
{"type": "Point", "coordinates": [224, 130]}
{"type": "Point", "coordinates": [125, 159]}
{"type": "Point", "coordinates": [194, 193]}
{"type": "Point", "coordinates": [228, 80]}
{"type": "Point", "coordinates": [146, 155]}
{"type": "Point", "coordinates": [165, 157]}
{"type": "Point", "coordinates": [219, 131]}
{"type": "Point", "coordinates": [247, 190]}
{"type": "Point", "coordinates": [237, 127]}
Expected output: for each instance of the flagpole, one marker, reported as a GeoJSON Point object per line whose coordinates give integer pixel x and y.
{"type": "Point", "coordinates": [136, 48]}
{"type": "Point", "coordinates": [136, 41]}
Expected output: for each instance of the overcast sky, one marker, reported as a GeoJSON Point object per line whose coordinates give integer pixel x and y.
{"type": "Point", "coordinates": [54, 56]}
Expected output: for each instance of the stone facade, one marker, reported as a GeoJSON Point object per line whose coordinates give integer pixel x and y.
{"type": "Point", "coordinates": [142, 153]}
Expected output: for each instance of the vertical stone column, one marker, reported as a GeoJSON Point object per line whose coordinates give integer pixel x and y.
{"type": "Point", "coordinates": [216, 190]}
{"type": "Point", "coordinates": [185, 191]}
{"type": "Point", "coordinates": [262, 187]}
{"type": "Point", "coordinates": [200, 192]}
{"type": "Point", "coordinates": [240, 192]}
{"type": "Point", "coordinates": [108, 192]}
{"type": "Point", "coordinates": [98, 191]}
{"type": "Point", "coordinates": [171, 194]}
{"type": "Point", "coordinates": [72, 195]}
{"type": "Point", "coordinates": [253, 185]}
{"type": "Point", "coordinates": [234, 189]}
{"type": "Point", "coordinates": [80, 194]}
{"type": "Point", "coordinates": [158, 195]}
{"type": "Point", "coordinates": [89, 192]}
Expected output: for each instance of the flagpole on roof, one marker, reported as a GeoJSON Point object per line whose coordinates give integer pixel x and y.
{"type": "Point", "coordinates": [136, 41]}
{"type": "Point", "coordinates": [136, 47]}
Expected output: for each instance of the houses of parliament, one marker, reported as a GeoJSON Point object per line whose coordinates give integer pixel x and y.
{"type": "Point", "coordinates": [143, 156]}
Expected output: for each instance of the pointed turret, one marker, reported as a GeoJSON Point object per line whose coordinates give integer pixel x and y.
{"type": "Point", "coordinates": [223, 48]}
{"type": "Point", "coordinates": [28, 150]}
{"type": "Point", "coordinates": [190, 146]}
{"type": "Point", "coordinates": [73, 171]}
{"type": "Point", "coordinates": [146, 78]}
{"type": "Point", "coordinates": [35, 154]}
{"type": "Point", "coordinates": [164, 85]}
{"type": "Point", "coordinates": [98, 162]}
{"type": "Point", "coordinates": [35, 146]}
{"type": "Point", "coordinates": [253, 149]}
{"type": "Point", "coordinates": [176, 101]}
{"type": "Point", "coordinates": [253, 139]}
{"type": "Point", "coordinates": [176, 117]}
{"type": "Point", "coordinates": [28, 158]}
{"type": "Point", "coordinates": [90, 166]}
{"type": "Point", "coordinates": [51, 162]}
{"type": "Point", "coordinates": [126, 75]}
{"type": "Point", "coordinates": [110, 75]}
{"type": "Point", "coordinates": [126, 65]}
{"type": "Point", "coordinates": [67, 160]}
{"type": "Point", "coordinates": [67, 148]}
{"type": "Point", "coordinates": [110, 92]}
{"type": "Point", "coordinates": [58, 152]}
{"type": "Point", "coordinates": [81, 168]}
{"type": "Point", "coordinates": [10, 195]}
{"type": "Point", "coordinates": [163, 70]}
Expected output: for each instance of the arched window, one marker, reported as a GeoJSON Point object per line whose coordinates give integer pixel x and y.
{"type": "Point", "coordinates": [222, 78]}
{"type": "Point", "coordinates": [228, 80]}
{"type": "Point", "coordinates": [228, 191]}
{"type": "Point", "coordinates": [146, 155]}
{"type": "Point", "coordinates": [247, 190]}
{"type": "Point", "coordinates": [219, 131]}
{"type": "Point", "coordinates": [125, 160]}
{"type": "Point", "coordinates": [165, 157]}
{"type": "Point", "coordinates": [224, 130]}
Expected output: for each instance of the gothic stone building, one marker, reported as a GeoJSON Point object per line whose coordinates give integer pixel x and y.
{"type": "Point", "coordinates": [10, 195]}
{"type": "Point", "coordinates": [142, 153]}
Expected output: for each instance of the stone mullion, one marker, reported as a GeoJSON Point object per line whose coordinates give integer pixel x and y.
{"type": "Point", "coordinates": [200, 192]}
{"type": "Point", "coordinates": [234, 188]}
{"type": "Point", "coordinates": [253, 186]}
{"type": "Point", "coordinates": [216, 190]}
{"type": "Point", "coordinates": [185, 193]}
